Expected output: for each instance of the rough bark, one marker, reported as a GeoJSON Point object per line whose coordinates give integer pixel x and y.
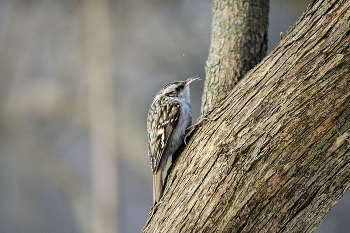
{"type": "Point", "coordinates": [238, 43]}
{"type": "Point", "coordinates": [275, 155]}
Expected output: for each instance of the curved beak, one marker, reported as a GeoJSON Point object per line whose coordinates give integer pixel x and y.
{"type": "Point", "coordinates": [188, 81]}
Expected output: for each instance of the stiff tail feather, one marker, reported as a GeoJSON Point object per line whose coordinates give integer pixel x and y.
{"type": "Point", "coordinates": [157, 186]}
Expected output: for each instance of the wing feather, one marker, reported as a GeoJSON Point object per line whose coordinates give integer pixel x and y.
{"type": "Point", "coordinates": [161, 125]}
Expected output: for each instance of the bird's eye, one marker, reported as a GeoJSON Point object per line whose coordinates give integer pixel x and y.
{"type": "Point", "coordinates": [179, 88]}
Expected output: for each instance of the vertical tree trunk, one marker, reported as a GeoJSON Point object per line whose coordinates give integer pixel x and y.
{"type": "Point", "coordinates": [102, 119]}
{"type": "Point", "coordinates": [238, 43]}
{"type": "Point", "coordinates": [275, 155]}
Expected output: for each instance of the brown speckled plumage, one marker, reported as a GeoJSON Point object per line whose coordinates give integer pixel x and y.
{"type": "Point", "coordinates": [168, 118]}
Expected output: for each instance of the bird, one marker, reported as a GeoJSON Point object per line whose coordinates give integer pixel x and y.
{"type": "Point", "coordinates": [169, 116]}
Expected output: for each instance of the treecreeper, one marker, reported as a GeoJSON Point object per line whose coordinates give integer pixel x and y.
{"type": "Point", "coordinates": [168, 121]}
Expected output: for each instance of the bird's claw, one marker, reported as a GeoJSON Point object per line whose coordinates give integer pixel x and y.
{"type": "Point", "coordinates": [193, 127]}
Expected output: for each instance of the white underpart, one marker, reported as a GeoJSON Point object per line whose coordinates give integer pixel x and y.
{"type": "Point", "coordinates": [185, 120]}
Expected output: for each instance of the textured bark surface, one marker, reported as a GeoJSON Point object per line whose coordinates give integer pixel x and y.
{"type": "Point", "coordinates": [238, 43]}
{"type": "Point", "coordinates": [275, 155]}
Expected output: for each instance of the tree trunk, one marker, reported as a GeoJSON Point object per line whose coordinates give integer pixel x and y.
{"type": "Point", "coordinates": [275, 155]}
{"type": "Point", "coordinates": [238, 43]}
{"type": "Point", "coordinates": [102, 116]}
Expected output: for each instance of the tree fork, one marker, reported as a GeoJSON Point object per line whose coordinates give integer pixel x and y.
{"type": "Point", "coordinates": [275, 155]}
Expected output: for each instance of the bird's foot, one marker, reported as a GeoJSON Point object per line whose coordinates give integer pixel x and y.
{"type": "Point", "coordinates": [194, 126]}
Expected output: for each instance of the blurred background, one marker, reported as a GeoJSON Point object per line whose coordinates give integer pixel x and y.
{"type": "Point", "coordinates": [76, 80]}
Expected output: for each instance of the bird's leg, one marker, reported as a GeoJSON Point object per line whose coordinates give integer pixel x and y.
{"type": "Point", "coordinates": [193, 127]}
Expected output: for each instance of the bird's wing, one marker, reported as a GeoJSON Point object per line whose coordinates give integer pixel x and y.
{"type": "Point", "coordinates": [161, 125]}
